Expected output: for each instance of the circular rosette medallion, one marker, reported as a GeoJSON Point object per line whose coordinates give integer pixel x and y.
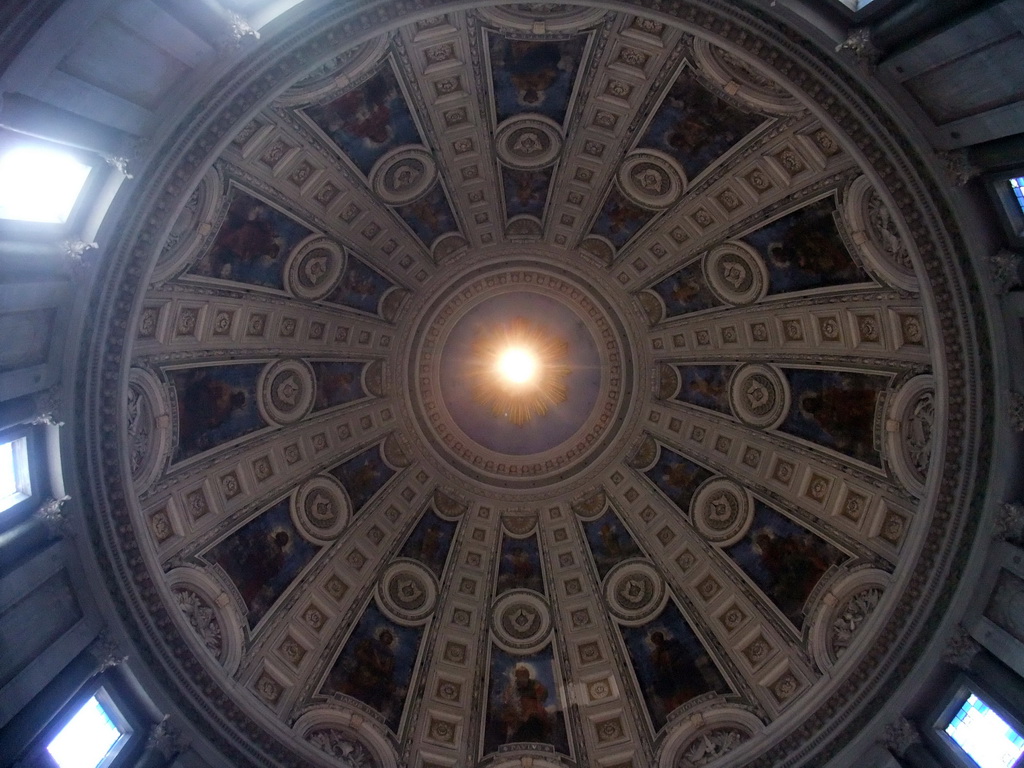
{"type": "Point", "coordinates": [634, 592]}
{"type": "Point", "coordinates": [321, 509]}
{"type": "Point", "coordinates": [408, 592]}
{"type": "Point", "coordinates": [403, 175]}
{"type": "Point", "coordinates": [314, 268]}
{"type": "Point", "coordinates": [522, 621]}
{"type": "Point", "coordinates": [529, 142]}
{"type": "Point", "coordinates": [736, 273]}
{"type": "Point", "coordinates": [651, 179]}
{"type": "Point", "coordinates": [722, 511]}
{"type": "Point", "coordinates": [286, 391]}
{"type": "Point", "coordinates": [759, 395]}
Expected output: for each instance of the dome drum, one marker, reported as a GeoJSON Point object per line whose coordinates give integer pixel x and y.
{"type": "Point", "coordinates": [725, 446]}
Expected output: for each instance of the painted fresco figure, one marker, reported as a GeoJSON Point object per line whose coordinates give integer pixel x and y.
{"type": "Point", "coordinates": [846, 415]}
{"type": "Point", "coordinates": [362, 112]}
{"type": "Point", "coordinates": [368, 120]}
{"type": "Point", "coordinates": [610, 539]}
{"type": "Point", "coordinates": [527, 192]}
{"type": "Point", "coordinates": [811, 244]}
{"type": "Point", "coordinates": [689, 133]}
{"type": "Point", "coordinates": [533, 68]}
{"type": "Point", "coordinates": [677, 477]}
{"type": "Point", "coordinates": [610, 542]}
{"type": "Point", "coordinates": [523, 713]}
{"type": "Point", "coordinates": [204, 405]}
{"type": "Point", "coordinates": [260, 563]}
{"type": "Point", "coordinates": [795, 563]}
{"type": "Point", "coordinates": [358, 285]}
{"type": "Point", "coordinates": [517, 570]}
{"type": "Point", "coordinates": [618, 216]}
{"type": "Point", "coordinates": [686, 289]}
{"type": "Point", "coordinates": [710, 387]}
{"type": "Point", "coordinates": [430, 545]}
{"type": "Point", "coordinates": [363, 475]}
{"type": "Point", "coordinates": [371, 673]}
{"type": "Point", "coordinates": [706, 386]}
{"type": "Point", "coordinates": [247, 235]}
{"type": "Point", "coordinates": [620, 219]}
{"type": "Point", "coordinates": [681, 476]}
{"type": "Point", "coordinates": [376, 665]}
{"type": "Point", "coordinates": [697, 126]}
{"type": "Point", "coordinates": [815, 252]}
{"type": "Point", "coordinates": [334, 387]}
{"type": "Point", "coordinates": [364, 479]}
{"type": "Point", "coordinates": [430, 542]}
{"type": "Point", "coordinates": [424, 211]}
{"type": "Point", "coordinates": [254, 561]}
{"type": "Point", "coordinates": [520, 567]}
{"type": "Point", "coordinates": [677, 679]}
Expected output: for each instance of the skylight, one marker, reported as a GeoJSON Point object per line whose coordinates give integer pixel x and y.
{"type": "Point", "coordinates": [15, 483]}
{"type": "Point", "coordinates": [87, 739]}
{"type": "Point", "coordinates": [261, 12]}
{"type": "Point", "coordinates": [39, 184]}
{"type": "Point", "coordinates": [985, 736]}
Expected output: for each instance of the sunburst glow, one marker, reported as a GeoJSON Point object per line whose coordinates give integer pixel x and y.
{"type": "Point", "coordinates": [518, 370]}
{"type": "Point", "coordinates": [517, 365]}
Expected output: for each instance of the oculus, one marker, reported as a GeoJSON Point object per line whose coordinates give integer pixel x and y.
{"type": "Point", "coordinates": [518, 370]}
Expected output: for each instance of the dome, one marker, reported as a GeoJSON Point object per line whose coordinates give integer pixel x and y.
{"type": "Point", "coordinates": [709, 521]}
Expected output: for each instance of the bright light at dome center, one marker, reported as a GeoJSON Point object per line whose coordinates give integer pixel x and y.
{"type": "Point", "coordinates": [517, 365]}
